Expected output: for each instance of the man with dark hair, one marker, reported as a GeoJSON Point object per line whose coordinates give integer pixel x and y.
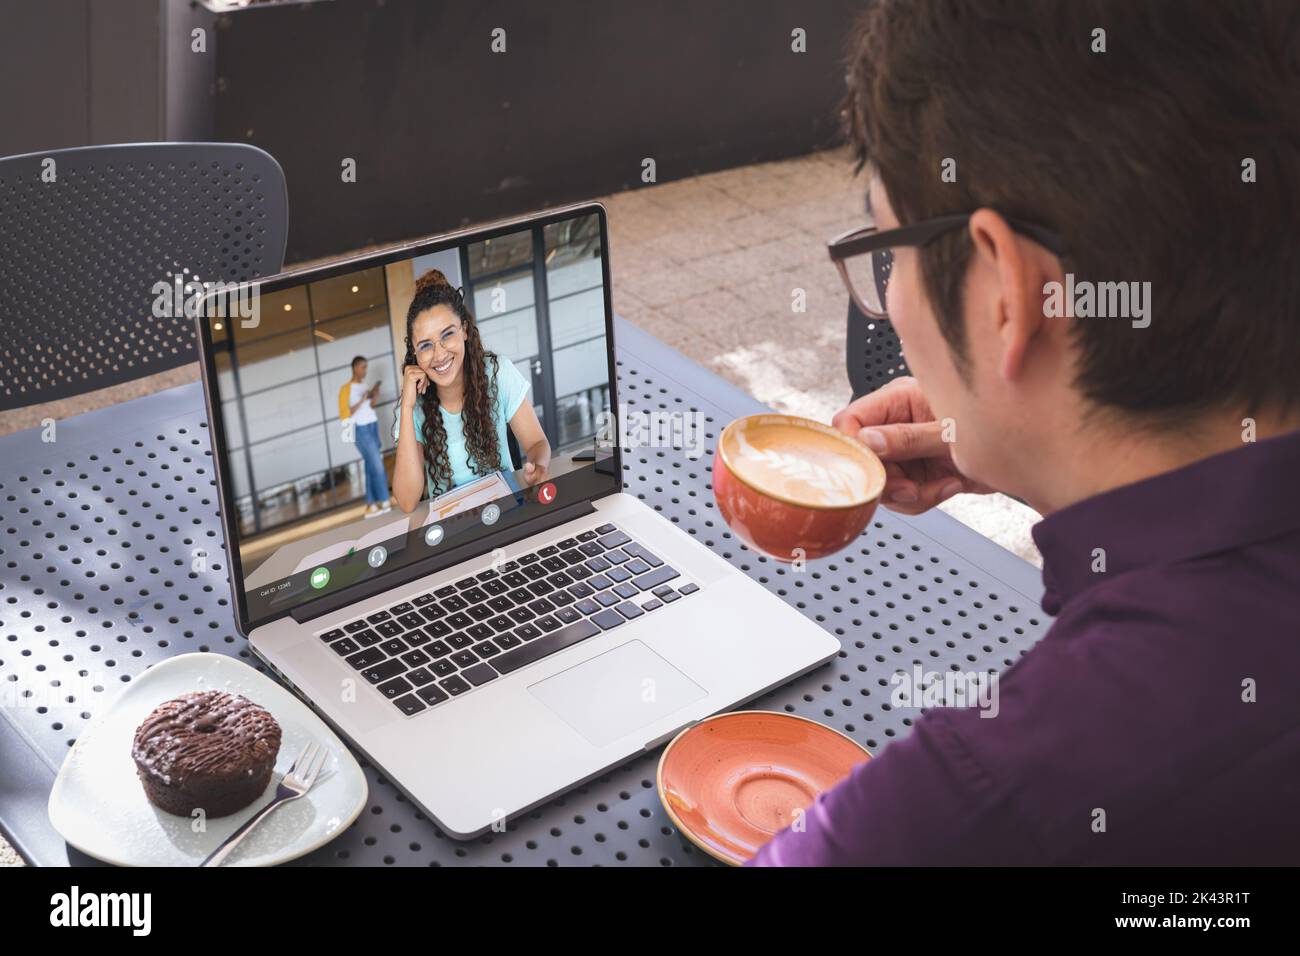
{"type": "Point", "coordinates": [1097, 288]}
{"type": "Point", "coordinates": [355, 404]}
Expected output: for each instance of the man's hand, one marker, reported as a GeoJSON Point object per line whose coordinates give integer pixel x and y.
{"type": "Point", "coordinates": [896, 422]}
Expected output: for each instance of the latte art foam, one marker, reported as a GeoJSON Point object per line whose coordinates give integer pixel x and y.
{"type": "Point", "coordinates": [804, 465]}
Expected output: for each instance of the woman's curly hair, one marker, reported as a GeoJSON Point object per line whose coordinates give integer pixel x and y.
{"type": "Point", "coordinates": [477, 418]}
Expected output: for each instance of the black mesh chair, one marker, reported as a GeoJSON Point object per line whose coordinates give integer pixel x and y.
{"type": "Point", "coordinates": [87, 233]}
{"type": "Point", "coordinates": [873, 354]}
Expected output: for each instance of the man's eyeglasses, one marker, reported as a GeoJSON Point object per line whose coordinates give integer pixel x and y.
{"type": "Point", "coordinates": [865, 255]}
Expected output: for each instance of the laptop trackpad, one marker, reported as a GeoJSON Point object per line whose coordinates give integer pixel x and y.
{"type": "Point", "coordinates": [612, 695]}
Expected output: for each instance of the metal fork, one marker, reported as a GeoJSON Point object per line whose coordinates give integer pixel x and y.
{"type": "Point", "coordinates": [293, 785]}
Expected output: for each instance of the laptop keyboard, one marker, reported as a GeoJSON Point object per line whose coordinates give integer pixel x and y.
{"type": "Point", "coordinates": [439, 645]}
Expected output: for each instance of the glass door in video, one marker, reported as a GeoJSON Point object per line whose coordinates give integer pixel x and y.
{"type": "Point", "coordinates": [280, 381]}
{"type": "Point", "coordinates": [538, 298]}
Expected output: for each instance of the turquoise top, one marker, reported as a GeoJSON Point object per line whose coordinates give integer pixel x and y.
{"type": "Point", "coordinates": [511, 389]}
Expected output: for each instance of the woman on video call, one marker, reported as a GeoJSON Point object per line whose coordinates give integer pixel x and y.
{"type": "Point", "coordinates": [457, 399]}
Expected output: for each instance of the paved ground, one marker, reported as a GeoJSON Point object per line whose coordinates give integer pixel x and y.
{"type": "Point", "coordinates": [710, 265]}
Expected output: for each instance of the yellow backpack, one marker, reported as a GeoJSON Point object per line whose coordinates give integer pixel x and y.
{"type": "Point", "coordinates": [345, 407]}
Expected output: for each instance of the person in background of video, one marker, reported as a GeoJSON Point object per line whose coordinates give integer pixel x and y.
{"type": "Point", "coordinates": [355, 403]}
{"type": "Point", "coordinates": [457, 399]}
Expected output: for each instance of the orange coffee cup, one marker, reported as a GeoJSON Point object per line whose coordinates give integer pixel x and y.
{"type": "Point", "coordinates": [792, 487]}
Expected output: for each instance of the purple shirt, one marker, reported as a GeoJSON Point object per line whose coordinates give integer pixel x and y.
{"type": "Point", "coordinates": [1157, 721]}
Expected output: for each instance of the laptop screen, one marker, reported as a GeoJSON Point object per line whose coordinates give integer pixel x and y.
{"type": "Point", "coordinates": [374, 415]}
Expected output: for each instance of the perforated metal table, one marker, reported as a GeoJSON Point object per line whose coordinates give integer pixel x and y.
{"type": "Point", "coordinates": [98, 533]}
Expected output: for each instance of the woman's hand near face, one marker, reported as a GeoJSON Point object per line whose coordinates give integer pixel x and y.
{"type": "Point", "coordinates": [408, 466]}
{"type": "Point", "coordinates": [414, 382]}
{"type": "Point", "coordinates": [897, 423]}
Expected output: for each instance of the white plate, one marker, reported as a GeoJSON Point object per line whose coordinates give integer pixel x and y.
{"type": "Point", "coordinates": [98, 803]}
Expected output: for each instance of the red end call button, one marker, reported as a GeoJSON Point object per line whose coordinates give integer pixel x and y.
{"type": "Point", "coordinates": [546, 493]}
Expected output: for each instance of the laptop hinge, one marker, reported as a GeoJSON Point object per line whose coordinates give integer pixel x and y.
{"type": "Point", "coordinates": [445, 559]}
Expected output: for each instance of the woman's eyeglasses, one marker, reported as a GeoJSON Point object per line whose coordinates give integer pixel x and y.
{"type": "Point", "coordinates": [865, 255]}
{"type": "Point", "coordinates": [449, 336]}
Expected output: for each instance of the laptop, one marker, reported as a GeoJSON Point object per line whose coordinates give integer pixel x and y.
{"type": "Point", "coordinates": [506, 639]}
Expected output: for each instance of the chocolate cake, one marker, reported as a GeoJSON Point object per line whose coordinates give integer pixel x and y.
{"type": "Point", "coordinates": [206, 750]}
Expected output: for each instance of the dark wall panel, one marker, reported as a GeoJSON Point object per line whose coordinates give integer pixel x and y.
{"type": "Point", "coordinates": [125, 71]}
{"type": "Point", "coordinates": [78, 73]}
{"type": "Point", "coordinates": [44, 90]}
{"type": "Point", "coordinates": [445, 131]}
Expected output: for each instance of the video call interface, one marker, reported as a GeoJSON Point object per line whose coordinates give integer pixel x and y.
{"type": "Point", "coordinates": [500, 346]}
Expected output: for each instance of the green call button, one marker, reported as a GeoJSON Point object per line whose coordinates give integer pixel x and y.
{"type": "Point", "coordinates": [320, 577]}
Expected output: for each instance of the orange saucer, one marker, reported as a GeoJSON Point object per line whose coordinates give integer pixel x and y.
{"type": "Point", "coordinates": [732, 781]}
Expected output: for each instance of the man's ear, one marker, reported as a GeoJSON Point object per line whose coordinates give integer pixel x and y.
{"type": "Point", "coordinates": [1016, 270]}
